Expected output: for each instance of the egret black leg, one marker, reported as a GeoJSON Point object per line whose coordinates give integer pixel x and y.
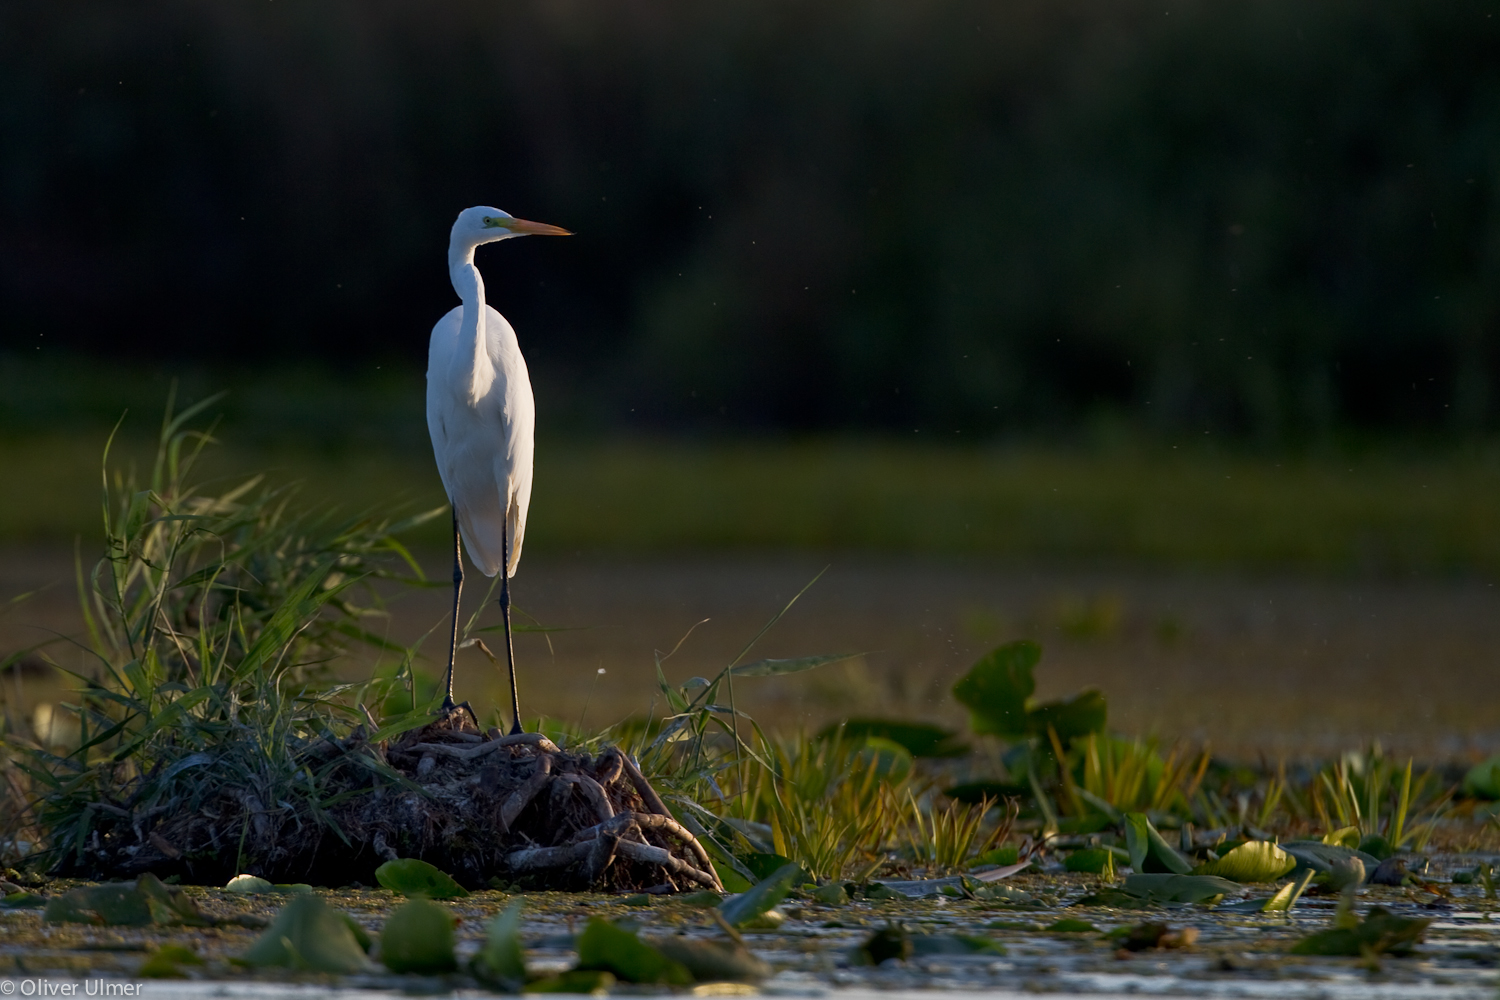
{"type": "Point", "coordinates": [510, 650]}
{"type": "Point", "coordinates": [458, 587]}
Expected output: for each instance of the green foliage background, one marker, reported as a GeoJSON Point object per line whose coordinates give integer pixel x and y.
{"type": "Point", "coordinates": [1275, 220]}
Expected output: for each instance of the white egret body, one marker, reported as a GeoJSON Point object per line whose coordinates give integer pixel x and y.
{"type": "Point", "coordinates": [481, 416]}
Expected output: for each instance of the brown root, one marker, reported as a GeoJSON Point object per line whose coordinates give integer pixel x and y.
{"type": "Point", "coordinates": [486, 808]}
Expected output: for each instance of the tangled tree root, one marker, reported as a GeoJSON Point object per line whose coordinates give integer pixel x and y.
{"type": "Point", "coordinates": [486, 808]}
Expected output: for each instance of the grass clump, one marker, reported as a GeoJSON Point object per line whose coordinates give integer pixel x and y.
{"type": "Point", "coordinates": [207, 702]}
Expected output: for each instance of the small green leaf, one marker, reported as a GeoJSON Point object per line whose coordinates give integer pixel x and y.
{"type": "Point", "coordinates": [747, 906]}
{"type": "Point", "coordinates": [418, 937]}
{"type": "Point", "coordinates": [584, 982]}
{"type": "Point", "coordinates": [954, 944]}
{"type": "Point", "coordinates": [308, 934]}
{"type": "Point", "coordinates": [1086, 712]}
{"type": "Point", "coordinates": [501, 963]}
{"type": "Point", "coordinates": [1255, 861]}
{"type": "Point", "coordinates": [604, 947]}
{"type": "Point", "coordinates": [1092, 860]}
{"type": "Point", "coordinates": [1071, 926]}
{"type": "Point", "coordinates": [919, 739]}
{"type": "Point", "coordinates": [1149, 851]}
{"type": "Point", "coordinates": [832, 894]}
{"type": "Point", "coordinates": [412, 877]}
{"type": "Point", "coordinates": [1483, 780]}
{"type": "Point", "coordinates": [1345, 837]}
{"type": "Point", "coordinates": [167, 961]}
{"type": "Point", "coordinates": [712, 961]}
{"type": "Point", "coordinates": [1324, 858]}
{"type": "Point", "coordinates": [1379, 933]}
{"type": "Point", "coordinates": [116, 904]}
{"type": "Point", "coordinates": [997, 688]}
{"type": "Point", "coordinates": [1286, 897]}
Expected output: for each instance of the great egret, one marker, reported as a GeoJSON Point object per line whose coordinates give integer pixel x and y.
{"type": "Point", "coordinates": [481, 416]}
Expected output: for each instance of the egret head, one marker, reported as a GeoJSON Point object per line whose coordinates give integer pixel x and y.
{"type": "Point", "coordinates": [483, 224]}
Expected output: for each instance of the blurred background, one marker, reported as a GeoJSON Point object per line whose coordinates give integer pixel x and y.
{"type": "Point", "coordinates": [1164, 333]}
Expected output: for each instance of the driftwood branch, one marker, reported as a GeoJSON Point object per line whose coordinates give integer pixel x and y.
{"type": "Point", "coordinates": [593, 792]}
{"type": "Point", "coordinates": [537, 740]}
{"type": "Point", "coordinates": [643, 787]}
{"type": "Point", "coordinates": [521, 797]}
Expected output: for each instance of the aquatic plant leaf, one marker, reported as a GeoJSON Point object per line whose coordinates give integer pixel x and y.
{"type": "Point", "coordinates": [737, 910]}
{"type": "Point", "coordinates": [920, 739]}
{"type": "Point", "coordinates": [713, 961]}
{"type": "Point", "coordinates": [1167, 888]}
{"type": "Point", "coordinates": [167, 961]}
{"type": "Point", "coordinates": [997, 688]}
{"type": "Point", "coordinates": [169, 904]}
{"type": "Point", "coordinates": [1084, 713]}
{"type": "Point", "coordinates": [308, 934]}
{"type": "Point", "coordinates": [604, 947]}
{"type": "Point", "coordinates": [1379, 933]}
{"type": "Point", "coordinates": [1149, 851]}
{"type": "Point", "coordinates": [116, 904]}
{"type": "Point", "coordinates": [954, 944]}
{"type": "Point", "coordinates": [770, 668]}
{"type": "Point", "coordinates": [703, 899]}
{"type": "Point", "coordinates": [584, 982]}
{"type": "Point", "coordinates": [1255, 861]}
{"type": "Point", "coordinates": [249, 885]}
{"type": "Point", "coordinates": [1321, 857]}
{"type": "Point", "coordinates": [1347, 836]}
{"type": "Point", "coordinates": [418, 937]}
{"type": "Point", "coordinates": [890, 761]}
{"type": "Point", "coordinates": [1070, 925]}
{"type": "Point", "coordinates": [832, 894]}
{"type": "Point", "coordinates": [763, 866]}
{"type": "Point", "coordinates": [731, 880]}
{"type": "Point", "coordinates": [412, 877]}
{"type": "Point", "coordinates": [1482, 781]}
{"type": "Point", "coordinates": [501, 962]}
{"type": "Point", "coordinates": [1285, 898]}
{"type": "Point", "coordinates": [1001, 856]}
{"type": "Point", "coordinates": [23, 901]}
{"type": "Point", "coordinates": [1092, 860]}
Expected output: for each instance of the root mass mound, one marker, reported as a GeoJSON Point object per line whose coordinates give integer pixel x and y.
{"type": "Point", "coordinates": [486, 808]}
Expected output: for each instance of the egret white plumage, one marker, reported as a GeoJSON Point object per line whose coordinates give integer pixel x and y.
{"type": "Point", "coordinates": [481, 416]}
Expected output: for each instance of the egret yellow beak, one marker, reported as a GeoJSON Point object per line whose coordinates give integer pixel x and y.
{"type": "Point", "coordinates": [527, 228]}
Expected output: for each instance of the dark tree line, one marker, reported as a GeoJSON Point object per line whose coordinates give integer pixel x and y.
{"type": "Point", "coordinates": [1273, 219]}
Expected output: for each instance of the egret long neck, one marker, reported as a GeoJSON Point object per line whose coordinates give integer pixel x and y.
{"type": "Point", "coordinates": [472, 355]}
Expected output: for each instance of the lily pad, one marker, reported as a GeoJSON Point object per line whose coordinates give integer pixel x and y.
{"type": "Point", "coordinates": [418, 937]}
{"type": "Point", "coordinates": [250, 885]}
{"type": "Point", "coordinates": [713, 961]}
{"type": "Point", "coordinates": [1166, 888]}
{"type": "Point", "coordinates": [604, 947]}
{"type": "Point", "coordinates": [1255, 861]}
{"type": "Point", "coordinates": [126, 904]}
{"type": "Point", "coordinates": [167, 961]}
{"type": "Point", "coordinates": [997, 688]}
{"type": "Point", "coordinates": [954, 944]}
{"type": "Point", "coordinates": [310, 935]}
{"type": "Point", "coordinates": [1092, 860]}
{"type": "Point", "coordinates": [584, 982]}
{"type": "Point", "coordinates": [501, 962]}
{"type": "Point", "coordinates": [741, 909]}
{"type": "Point", "coordinates": [412, 877]}
{"type": "Point", "coordinates": [1323, 858]}
{"type": "Point", "coordinates": [1069, 925]}
{"type": "Point", "coordinates": [1483, 780]}
{"type": "Point", "coordinates": [832, 894]}
{"type": "Point", "coordinates": [1149, 850]}
{"type": "Point", "coordinates": [1381, 932]}
{"type": "Point", "coordinates": [919, 739]}
{"type": "Point", "coordinates": [1084, 713]}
